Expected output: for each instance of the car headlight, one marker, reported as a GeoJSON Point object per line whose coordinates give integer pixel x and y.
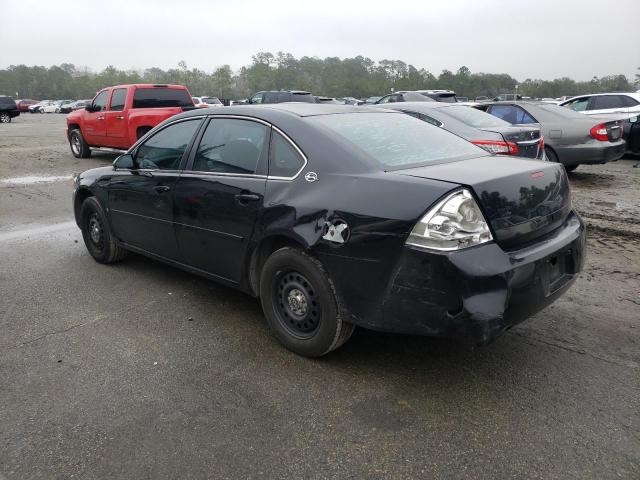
{"type": "Point", "coordinates": [454, 223]}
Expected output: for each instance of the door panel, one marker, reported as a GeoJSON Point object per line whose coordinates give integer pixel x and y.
{"type": "Point", "coordinates": [141, 210]}
{"type": "Point", "coordinates": [94, 126]}
{"type": "Point", "coordinates": [214, 219]}
{"type": "Point", "coordinates": [116, 119]}
{"type": "Point", "coordinates": [218, 201]}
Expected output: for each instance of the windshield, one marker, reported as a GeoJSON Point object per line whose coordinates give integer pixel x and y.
{"type": "Point", "coordinates": [397, 140]}
{"type": "Point", "coordinates": [211, 101]}
{"type": "Point", "coordinates": [473, 117]}
{"type": "Point", "coordinates": [161, 97]}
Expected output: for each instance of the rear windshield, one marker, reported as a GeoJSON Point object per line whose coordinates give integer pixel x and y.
{"type": "Point", "coordinates": [302, 97]}
{"type": "Point", "coordinates": [161, 97]}
{"type": "Point", "coordinates": [560, 111]}
{"type": "Point", "coordinates": [473, 117]}
{"type": "Point", "coordinates": [399, 141]}
{"type": "Point", "coordinates": [445, 97]}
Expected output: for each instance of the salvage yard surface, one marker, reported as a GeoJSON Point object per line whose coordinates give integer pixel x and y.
{"type": "Point", "coordinates": [139, 370]}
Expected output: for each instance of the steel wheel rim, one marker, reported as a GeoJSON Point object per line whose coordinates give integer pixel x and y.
{"type": "Point", "coordinates": [94, 228]}
{"type": "Point", "coordinates": [75, 144]}
{"type": "Point", "coordinates": [297, 304]}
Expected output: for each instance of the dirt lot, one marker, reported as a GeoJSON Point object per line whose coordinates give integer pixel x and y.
{"type": "Point", "coordinates": [142, 371]}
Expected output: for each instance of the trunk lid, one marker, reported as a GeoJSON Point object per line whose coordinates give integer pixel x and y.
{"type": "Point", "coordinates": [521, 199]}
{"type": "Point", "coordinates": [527, 139]}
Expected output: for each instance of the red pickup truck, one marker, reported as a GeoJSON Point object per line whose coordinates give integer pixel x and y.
{"type": "Point", "coordinates": [118, 116]}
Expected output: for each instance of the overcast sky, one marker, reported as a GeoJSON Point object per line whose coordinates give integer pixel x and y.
{"type": "Point", "coordinates": [525, 38]}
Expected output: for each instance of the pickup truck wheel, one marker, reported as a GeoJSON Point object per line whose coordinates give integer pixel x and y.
{"type": "Point", "coordinates": [79, 147]}
{"type": "Point", "coordinates": [97, 235]}
{"type": "Point", "coordinates": [5, 117]}
{"type": "Point", "coordinates": [301, 305]}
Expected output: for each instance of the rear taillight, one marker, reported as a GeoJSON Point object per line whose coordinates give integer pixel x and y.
{"type": "Point", "coordinates": [599, 132]}
{"type": "Point", "coordinates": [501, 148]}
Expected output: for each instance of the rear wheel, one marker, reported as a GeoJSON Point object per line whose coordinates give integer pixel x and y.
{"type": "Point", "coordinates": [5, 117]}
{"type": "Point", "coordinates": [79, 147]}
{"type": "Point", "coordinates": [570, 168]}
{"type": "Point", "coordinates": [301, 305]}
{"type": "Point", "coordinates": [97, 235]}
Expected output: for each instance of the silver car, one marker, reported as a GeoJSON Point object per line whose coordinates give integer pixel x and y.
{"type": "Point", "coordinates": [570, 138]}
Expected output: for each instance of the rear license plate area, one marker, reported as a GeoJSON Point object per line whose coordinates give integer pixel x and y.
{"type": "Point", "coordinates": [560, 269]}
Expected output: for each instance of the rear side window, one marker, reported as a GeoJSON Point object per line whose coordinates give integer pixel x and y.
{"type": "Point", "coordinates": [606, 101]}
{"type": "Point", "coordinates": [100, 102]}
{"type": "Point", "coordinates": [473, 117]}
{"type": "Point", "coordinates": [231, 146]}
{"type": "Point", "coordinates": [302, 97]}
{"type": "Point", "coordinates": [396, 140]}
{"type": "Point", "coordinates": [7, 102]}
{"type": "Point", "coordinates": [629, 101]}
{"type": "Point", "coordinates": [118, 97]}
{"type": "Point", "coordinates": [512, 114]}
{"type": "Point", "coordinates": [161, 98]}
{"type": "Point", "coordinates": [284, 160]}
{"type": "Point", "coordinates": [445, 97]}
{"type": "Point", "coordinates": [271, 97]}
{"type": "Point", "coordinates": [164, 150]}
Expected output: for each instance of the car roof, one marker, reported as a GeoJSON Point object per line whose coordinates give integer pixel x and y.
{"type": "Point", "coordinates": [417, 106]}
{"type": "Point", "coordinates": [300, 92]}
{"type": "Point", "coordinates": [147, 85]}
{"type": "Point", "coordinates": [301, 109]}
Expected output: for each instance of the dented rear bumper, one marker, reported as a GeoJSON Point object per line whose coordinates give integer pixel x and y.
{"type": "Point", "coordinates": [477, 293]}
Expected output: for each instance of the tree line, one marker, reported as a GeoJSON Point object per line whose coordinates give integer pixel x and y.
{"type": "Point", "coordinates": [332, 76]}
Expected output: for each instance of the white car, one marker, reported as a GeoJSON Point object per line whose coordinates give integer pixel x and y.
{"type": "Point", "coordinates": [604, 103]}
{"type": "Point", "coordinates": [37, 107]}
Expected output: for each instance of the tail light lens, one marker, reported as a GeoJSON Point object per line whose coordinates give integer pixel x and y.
{"type": "Point", "coordinates": [453, 224]}
{"type": "Point", "coordinates": [501, 148]}
{"type": "Point", "coordinates": [599, 132]}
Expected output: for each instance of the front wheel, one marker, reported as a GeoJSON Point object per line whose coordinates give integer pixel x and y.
{"type": "Point", "coordinates": [570, 168]}
{"type": "Point", "coordinates": [5, 117]}
{"type": "Point", "coordinates": [301, 305]}
{"type": "Point", "coordinates": [96, 233]}
{"type": "Point", "coordinates": [79, 147]}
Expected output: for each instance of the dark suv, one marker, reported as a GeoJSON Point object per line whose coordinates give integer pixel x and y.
{"type": "Point", "coordinates": [8, 109]}
{"type": "Point", "coordinates": [281, 96]}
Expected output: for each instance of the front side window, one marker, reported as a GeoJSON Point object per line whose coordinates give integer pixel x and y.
{"type": "Point", "coordinates": [396, 140]}
{"type": "Point", "coordinates": [231, 146]}
{"type": "Point", "coordinates": [284, 160]}
{"type": "Point", "coordinates": [118, 97]}
{"type": "Point", "coordinates": [257, 98]}
{"type": "Point", "coordinates": [606, 101]}
{"type": "Point", "coordinates": [164, 150]}
{"type": "Point", "coordinates": [159, 97]}
{"type": "Point", "coordinates": [100, 102]}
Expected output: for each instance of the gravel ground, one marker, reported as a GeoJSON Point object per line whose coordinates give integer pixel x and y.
{"type": "Point", "coordinates": [143, 371]}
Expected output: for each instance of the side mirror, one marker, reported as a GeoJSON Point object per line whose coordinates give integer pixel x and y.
{"type": "Point", "coordinates": [88, 107]}
{"type": "Point", "coordinates": [124, 162]}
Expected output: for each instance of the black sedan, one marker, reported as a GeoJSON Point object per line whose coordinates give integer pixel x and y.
{"type": "Point", "coordinates": [485, 130]}
{"type": "Point", "coordinates": [337, 216]}
{"type": "Point", "coordinates": [570, 138]}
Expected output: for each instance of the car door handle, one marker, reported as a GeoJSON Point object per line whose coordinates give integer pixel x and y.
{"type": "Point", "coordinates": [100, 118]}
{"type": "Point", "coordinates": [161, 188]}
{"type": "Point", "coordinates": [119, 117]}
{"type": "Point", "coordinates": [244, 198]}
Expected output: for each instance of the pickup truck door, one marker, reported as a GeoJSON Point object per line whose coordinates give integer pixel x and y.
{"type": "Point", "coordinates": [116, 119]}
{"type": "Point", "coordinates": [141, 199]}
{"type": "Point", "coordinates": [220, 195]}
{"type": "Point", "coordinates": [93, 127]}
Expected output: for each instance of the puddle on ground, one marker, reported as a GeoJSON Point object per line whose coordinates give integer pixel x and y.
{"type": "Point", "coordinates": [34, 179]}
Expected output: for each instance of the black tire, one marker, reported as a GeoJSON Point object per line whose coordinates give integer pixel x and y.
{"type": "Point", "coordinates": [5, 117]}
{"type": "Point", "coordinates": [97, 235]}
{"type": "Point", "coordinates": [79, 147]}
{"type": "Point", "coordinates": [301, 304]}
{"type": "Point", "coordinates": [570, 168]}
{"type": "Point", "coordinates": [141, 132]}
